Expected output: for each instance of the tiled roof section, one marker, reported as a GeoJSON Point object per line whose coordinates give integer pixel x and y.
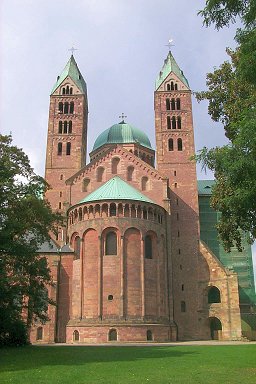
{"type": "Point", "coordinates": [122, 133]}
{"type": "Point", "coordinates": [169, 66]}
{"type": "Point", "coordinates": [205, 186]}
{"type": "Point", "coordinates": [71, 70]}
{"type": "Point", "coordinates": [48, 247]}
{"type": "Point", "coordinates": [116, 189]}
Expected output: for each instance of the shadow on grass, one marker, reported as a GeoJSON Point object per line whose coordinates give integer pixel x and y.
{"type": "Point", "coordinates": [31, 357]}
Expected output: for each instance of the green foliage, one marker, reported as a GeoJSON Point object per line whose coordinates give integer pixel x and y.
{"type": "Point", "coordinates": [232, 99]}
{"type": "Point", "coordinates": [25, 221]}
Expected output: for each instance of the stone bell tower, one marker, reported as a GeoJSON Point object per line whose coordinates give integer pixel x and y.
{"type": "Point", "coordinates": [174, 148]}
{"type": "Point", "coordinates": [67, 133]}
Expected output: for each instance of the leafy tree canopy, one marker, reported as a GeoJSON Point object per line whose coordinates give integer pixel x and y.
{"type": "Point", "coordinates": [232, 99]}
{"type": "Point", "coordinates": [25, 221]}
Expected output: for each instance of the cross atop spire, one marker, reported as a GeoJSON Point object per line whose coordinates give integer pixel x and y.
{"type": "Point", "coordinates": [72, 49]}
{"type": "Point", "coordinates": [122, 117]}
{"type": "Point", "coordinates": [170, 41]}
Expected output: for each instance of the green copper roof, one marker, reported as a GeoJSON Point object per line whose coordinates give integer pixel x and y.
{"type": "Point", "coordinates": [116, 189]}
{"type": "Point", "coordinates": [122, 133]}
{"type": "Point", "coordinates": [73, 72]}
{"type": "Point", "coordinates": [205, 186]}
{"type": "Point", "coordinates": [169, 66]}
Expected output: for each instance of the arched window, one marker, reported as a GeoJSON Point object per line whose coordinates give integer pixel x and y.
{"type": "Point", "coordinates": [168, 87]}
{"type": "Point", "coordinates": [66, 107]}
{"type": "Point", "coordinates": [59, 149]}
{"type": "Point", "coordinates": [169, 122]}
{"type": "Point", "coordinates": [170, 144]}
{"type": "Point", "coordinates": [65, 127]}
{"type": "Point", "coordinates": [60, 107]}
{"type": "Point", "coordinates": [130, 171]}
{"type": "Point", "coordinates": [63, 91]}
{"type": "Point", "coordinates": [60, 126]}
{"type": "Point", "coordinates": [112, 209]}
{"type": "Point", "coordinates": [179, 122]}
{"type": "Point", "coordinates": [67, 90]}
{"type": "Point", "coordinates": [173, 104]}
{"type": "Point", "coordinates": [172, 86]}
{"type": "Point", "coordinates": [178, 103]}
{"type": "Point", "coordinates": [173, 122]}
{"type": "Point", "coordinates": [71, 110]}
{"type": "Point", "coordinates": [68, 149]}
{"type": "Point", "coordinates": [214, 295]}
{"type": "Point", "coordinates": [70, 126]}
{"type": "Point", "coordinates": [179, 143]}
{"type": "Point", "coordinates": [100, 172]}
{"type": "Point", "coordinates": [111, 244]}
{"type": "Point", "coordinates": [75, 335]}
{"type": "Point", "coordinates": [144, 183]}
{"type": "Point", "coordinates": [148, 247]}
{"type": "Point", "coordinates": [183, 306]}
{"type": "Point", "coordinates": [77, 244]}
{"type": "Point", "coordinates": [149, 335]}
{"type": "Point", "coordinates": [176, 87]}
{"type": "Point", "coordinates": [71, 91]}
{"type": "Point", "coordinates": [112, 335]}
{"type": "Point", "coordinates": [167, 102]}
{"type": "Point", "coordinates": [115, 163]}
{"type": "Point", "coordinates": [86, 183]}
{"type": "Point", "coordinates": [39, 333]}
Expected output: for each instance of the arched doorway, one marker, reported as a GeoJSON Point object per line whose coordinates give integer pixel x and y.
{"type": "Point", "coordinates": [215, 328]}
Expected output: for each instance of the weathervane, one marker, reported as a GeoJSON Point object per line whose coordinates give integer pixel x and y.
{"type": "Point", "coordinates": [122, 116]}
{"type": "Point", "coordinates": [170, 41]}
{"type": "Point", "coordinates": [72, 49]}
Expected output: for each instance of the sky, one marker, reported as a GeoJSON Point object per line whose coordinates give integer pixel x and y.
{"type": "Point", "coordinates": [121, 46]}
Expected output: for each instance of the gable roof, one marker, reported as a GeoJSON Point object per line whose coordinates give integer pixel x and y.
{"type": "Point", "coordinates": [116, 189]}
{"type": "Point", "coordinates": [205, 187]}
{"type": "Point", "coordinates": [71, 70]}
{"type": "Point", "coordinates": [169, 66]}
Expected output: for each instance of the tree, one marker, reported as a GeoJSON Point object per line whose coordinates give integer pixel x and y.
{"type": "Point", "coordinates": [25, 221]}
{"type": "Point", "coordinates": [232, 99]}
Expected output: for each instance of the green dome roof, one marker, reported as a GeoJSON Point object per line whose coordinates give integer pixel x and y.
{"type": "Point", "coordinates": [122, 133]}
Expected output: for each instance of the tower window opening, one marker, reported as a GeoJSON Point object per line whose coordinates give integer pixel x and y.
{"type": "Point", "coordinates": [66, 107]}
{"type": "Point", "coordinates": [86, 183]}
{"type": "Point", "coordinates": [168, 87]}
{"type": "Point", "coordinates": [63, 91]}
{"type": "Point", "coordinates": [214, 295]}
{"type": "Point", "coordinates": [71, 91]}
{"type": "Point", "coordinates": [59, 149]}
{"type": "Point", "coordinates": [179, 252]}
{"type": "Point", "coordinates": [111, 243]}
{"type": "Point", "coordinates": [112, 209]}
{"type": "Point", "coordinates": [67, 90]}
{"type": "Point", "coordinates": [167, 102]}
{"type": "Point", "coordinates": [179, 143]}
{"type": "Point", "coordinates": [60, 205]}
{"type": "Point", "coordinates": [179, 122]}
{"type": "Point", "coordinates": [71, 109]}
{"type": "Point", "coordinates": [130, 171]}
{"type": "Point", "coordinates": [175, 173]}
{"type": "Point", "coordinates": [65, 127]}
{"type": "Point", "coordinates": [175, 185]}
{"type": "Point", "coordinates": [61, 177]}
{"type": "Point", "coordinates": [60, 107]}
{"type": "Point", "coordinates": [173, 122]}
{"type": "Point", "coordinates": [170, 144]}
{"type": "Point", "coordinates": [182, 287]}
{"type": "Point", "coordinates": [68, 149]}
{"type": "Point", "coordinates": [183, 306]}
{"type": "Point", "coordinates": [115, 163]}
{"type": "Point", "coordinates": [172, 86]}
{"type": "Point", "coordinates": [178, 104]}
{"type": "Point", "coordinates": [60, 194]}
{"type": "Point", "coordinates": [173, 104]}
{"type": "Point", "coordinates": [60, 126]}
{"type": "Point", "coordinates": [144, 183]}
{"type": "Point", "coordinates": [176, 87]}
{"type": "Point", "coordinates": [110, 297]}
{"type": "Point", "coordinates": [70, 126]}
{"type": "Point", "coordinates": [168, 122]}
{"type": "Point", "coordinates": [148, 247]}
{"type": "Point", "coordinates": [100, 173]}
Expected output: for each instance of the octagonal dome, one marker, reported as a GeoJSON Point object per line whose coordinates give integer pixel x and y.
{"type": "Point", "coordinates": [122, 133]}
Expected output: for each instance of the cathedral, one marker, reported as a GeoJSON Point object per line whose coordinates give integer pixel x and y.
{"type": "Point", "coordinates": [130, 265]}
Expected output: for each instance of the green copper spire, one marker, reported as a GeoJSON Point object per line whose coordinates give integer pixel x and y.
{"type": "Point", "coordinates": [71, 70]}
{"type": "Point", "coordinates": [116, 189]}
{"type": "Point", "coordinates": [169, 66]}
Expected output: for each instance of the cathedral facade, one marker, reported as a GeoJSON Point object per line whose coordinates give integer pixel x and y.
{"type": "Point", "coordinates": [130, 266]}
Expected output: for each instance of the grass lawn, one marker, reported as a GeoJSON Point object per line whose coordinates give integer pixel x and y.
{"type": "Point", "coordinates": [157, 364]}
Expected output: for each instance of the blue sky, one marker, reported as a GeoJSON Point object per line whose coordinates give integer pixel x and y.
{"type": "Point", "coordinates": [121, 48]}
